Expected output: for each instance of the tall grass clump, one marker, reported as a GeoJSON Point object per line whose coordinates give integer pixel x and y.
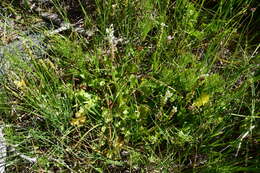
{"type": "Point", "coordinates": [160, 86]}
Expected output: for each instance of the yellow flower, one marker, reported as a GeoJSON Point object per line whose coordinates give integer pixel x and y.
{"type": "Point", "coordinates": [79, 119]}
{"type": "Point", "coordinates": [20, 84]}
{"type": "Point", "coordinates": [202, 100]}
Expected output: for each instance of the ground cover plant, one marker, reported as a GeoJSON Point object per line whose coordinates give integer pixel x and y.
{"type": "Point", "coordinates": [156, 86]}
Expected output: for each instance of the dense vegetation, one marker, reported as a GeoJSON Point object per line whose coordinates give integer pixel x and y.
{"type": "Point", "coordinates": [158, 86]}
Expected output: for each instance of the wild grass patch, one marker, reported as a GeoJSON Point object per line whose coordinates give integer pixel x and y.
{"type": "Point", "coordinates": [161, 86]}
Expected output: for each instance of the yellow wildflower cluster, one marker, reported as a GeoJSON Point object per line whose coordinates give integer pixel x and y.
{"type": "Point", "coordinates": [20, 84]}
{"type": "Point", "coordinates": [79, 119]}
{"type": "Point", "coordinates": [202, 100]}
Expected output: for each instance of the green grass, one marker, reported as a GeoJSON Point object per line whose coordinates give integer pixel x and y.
{"type": "Point", "coordinates": [161, 86]}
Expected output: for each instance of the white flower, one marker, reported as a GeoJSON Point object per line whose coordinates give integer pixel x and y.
{"type": "Point", "coordinates": [163, 25]}
{"type": "Point", "coordinates": [110, 34]}
{"type": "Point", "coordinates": [169, 37]}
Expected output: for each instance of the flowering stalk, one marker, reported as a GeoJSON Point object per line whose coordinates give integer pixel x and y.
{"type": "Point", "coordinates": [111, 38]}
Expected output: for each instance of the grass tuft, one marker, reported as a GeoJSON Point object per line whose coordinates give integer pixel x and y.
{"type": "Point", "coordinates": [160, 86]}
